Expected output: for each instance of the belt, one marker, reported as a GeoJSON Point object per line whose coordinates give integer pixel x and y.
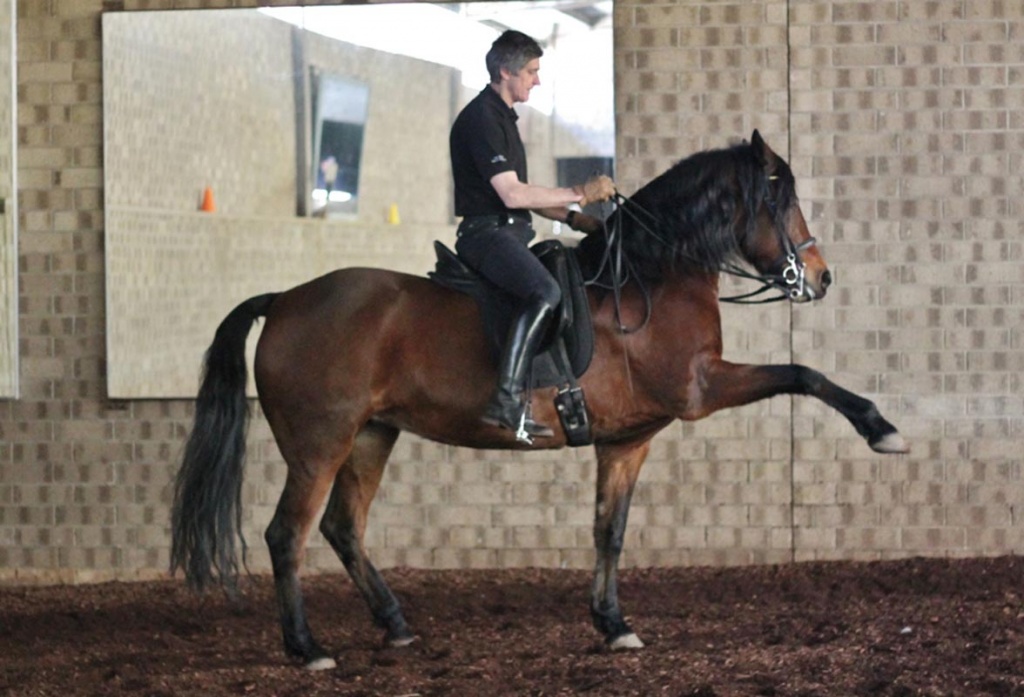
{"type": "Point", "coordinates": [471, 223]}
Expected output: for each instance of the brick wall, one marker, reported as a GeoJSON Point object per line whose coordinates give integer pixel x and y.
{"type": "Point", "coordinates": [903, 123]}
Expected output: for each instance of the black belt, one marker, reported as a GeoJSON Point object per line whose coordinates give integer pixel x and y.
{"type": "Point", "coordinates": [471, 223]}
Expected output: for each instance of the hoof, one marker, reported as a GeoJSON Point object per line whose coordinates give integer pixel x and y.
{"type": "Point", "coordinates": [891, 443]}
{"type": "Point", "coordinates": [626, 642]}
{"type": "Point", "coordinates": [321, 664]}
{"type": "Point", "coordinates": [400, 641]}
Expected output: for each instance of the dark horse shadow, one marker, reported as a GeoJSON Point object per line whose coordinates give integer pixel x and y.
{"type": "Point", "coordinates": [349, 360]}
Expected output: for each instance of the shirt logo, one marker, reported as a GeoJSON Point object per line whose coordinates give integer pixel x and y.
{"type": "Point", "coordinates": [498, 158]}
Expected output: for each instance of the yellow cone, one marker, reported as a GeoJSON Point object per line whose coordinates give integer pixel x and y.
{"type": "Point", "coordinates": [393, 217]}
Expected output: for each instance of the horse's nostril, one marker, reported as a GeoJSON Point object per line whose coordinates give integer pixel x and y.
{"type": "Point", "coordinates": [826, 279]}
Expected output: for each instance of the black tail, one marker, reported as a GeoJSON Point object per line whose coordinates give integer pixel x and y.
{"type": "Point", "coordinates": [206, 516]}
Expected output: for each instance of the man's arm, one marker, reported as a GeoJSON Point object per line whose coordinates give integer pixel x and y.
{"type": "Point", "coordinates": [517, 194]}
{"type": "Point", "coordinates": [581, 222]}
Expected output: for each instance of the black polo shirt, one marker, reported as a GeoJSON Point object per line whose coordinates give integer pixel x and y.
{"type": "Point", "coordinates": [485, 141]}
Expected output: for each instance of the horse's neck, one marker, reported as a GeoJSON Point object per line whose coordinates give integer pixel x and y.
{"type": "Point", "coordinates": [678, 299]}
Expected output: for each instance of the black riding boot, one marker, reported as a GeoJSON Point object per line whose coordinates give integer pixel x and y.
{"type": "Point", "coordinates": [508, 405]}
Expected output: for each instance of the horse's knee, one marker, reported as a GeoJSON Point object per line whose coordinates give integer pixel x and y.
{"type": "Point", "coordinates": [610, 531]}
{"type": "Point", "coordinates": [808, 380]}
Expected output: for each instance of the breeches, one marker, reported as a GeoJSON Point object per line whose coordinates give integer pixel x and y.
{"type": "Point", "coordinates": [500, 254]}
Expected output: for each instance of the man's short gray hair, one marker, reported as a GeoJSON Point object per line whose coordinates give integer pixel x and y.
{"type": "Point", "coordinates": [511, 51]}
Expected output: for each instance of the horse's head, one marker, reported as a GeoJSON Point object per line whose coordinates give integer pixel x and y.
{"type": "Point", "coordinates": [781, 247]}
{"type": "Point", "coordinates": [717, 210]}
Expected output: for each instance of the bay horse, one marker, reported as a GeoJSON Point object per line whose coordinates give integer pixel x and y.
{"type": "Point", "coordinates": [349, 360]}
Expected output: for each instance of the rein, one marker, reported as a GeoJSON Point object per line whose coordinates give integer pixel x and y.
{"type": "Point", "coordinates": [619, 266]}
{"type": "Point", "coordinates": [789, 281]}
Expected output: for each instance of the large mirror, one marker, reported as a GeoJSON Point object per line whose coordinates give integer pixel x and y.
{"type": "Point", "coordinates": [8, 207]}
{"type": "Point", "coordinates": [340, 106]}
{"type": "Point", "coordinates": [250, 150]}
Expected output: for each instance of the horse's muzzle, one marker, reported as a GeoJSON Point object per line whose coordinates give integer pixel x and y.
{"type": "Point", "coordinates": [814, 288]}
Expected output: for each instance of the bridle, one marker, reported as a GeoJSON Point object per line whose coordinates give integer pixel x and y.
{"type": "Point", "coordinates": [789, 281]}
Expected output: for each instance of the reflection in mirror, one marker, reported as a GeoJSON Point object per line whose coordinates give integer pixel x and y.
{"type": "Point", "coordinates": [8, 212]}
{"type": "Point", "coordinates": [252, 105]}
{"type": "Point", "coordinates": [339, 119]}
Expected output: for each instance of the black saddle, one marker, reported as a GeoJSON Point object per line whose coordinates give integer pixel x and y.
{"type": "Point", "coordinates": [569, 346]}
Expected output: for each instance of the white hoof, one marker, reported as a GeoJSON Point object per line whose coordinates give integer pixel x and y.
{"type": "Point", "coordinates": [626, 642]}
{"type": "Point", "coordinates": [321, 664]}
{"type": "Point", "coordinates": [892, 443]}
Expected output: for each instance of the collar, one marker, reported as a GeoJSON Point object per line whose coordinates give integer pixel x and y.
{"type": "Point", "coordinates": [491, 95]}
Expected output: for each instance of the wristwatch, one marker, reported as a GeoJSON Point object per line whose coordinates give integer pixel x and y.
{"type": "Point", "coordinates": [570, 219]}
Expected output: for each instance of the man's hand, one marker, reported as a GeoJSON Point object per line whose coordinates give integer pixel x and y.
{"type": "Point", "coordinates": [586, 223]}
{"type": "Point", "coordinates": [599, 188]}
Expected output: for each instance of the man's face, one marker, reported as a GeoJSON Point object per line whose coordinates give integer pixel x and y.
{"type": "Point", "coordinates": [525, 80]}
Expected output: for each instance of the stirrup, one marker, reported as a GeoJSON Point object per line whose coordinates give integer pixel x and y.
{"type": "Point", "coordinates": [522, 435]}
{"type": "Point", "coordinates": [525, 428]}
{"type": "Point", "coordinates": [526, 425]}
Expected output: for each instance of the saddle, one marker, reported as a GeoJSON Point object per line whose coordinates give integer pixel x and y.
{"type": "Point", "coordinates": [569, 346]}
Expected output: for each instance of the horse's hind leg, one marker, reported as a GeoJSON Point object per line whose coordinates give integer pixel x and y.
{"type": "Point", "coordinates": [309, 479]}
{"type": "Point", "coordinates": [618, 467]}
{"type": "Point", "coordinates": [344, 524]}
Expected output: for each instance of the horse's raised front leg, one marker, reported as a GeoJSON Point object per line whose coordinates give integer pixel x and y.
{"type": "Point", "coordinates": [344, 524]}
{"type": "Point", "coordinates": [618, 466]}
{"type": "Point", "coordinates": [730, 385]}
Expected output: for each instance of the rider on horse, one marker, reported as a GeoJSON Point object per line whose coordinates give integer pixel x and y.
{"type": "Point", "coordinates": [494, 200]}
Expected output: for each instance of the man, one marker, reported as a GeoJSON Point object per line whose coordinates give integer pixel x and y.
{"type": "Point", "coordinates": [494, 198]}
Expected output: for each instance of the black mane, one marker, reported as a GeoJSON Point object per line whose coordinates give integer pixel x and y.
{"type": "Point", "coordinates": [696, 215]}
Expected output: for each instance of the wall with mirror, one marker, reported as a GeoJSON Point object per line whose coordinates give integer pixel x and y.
{"type": "Point", "coordinates": [8, 207]}
{"type": "Point", "coordinates": [226, 101]}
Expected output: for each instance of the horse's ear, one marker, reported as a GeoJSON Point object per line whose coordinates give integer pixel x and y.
{"type": "Point", "coordinates": [764, 154]}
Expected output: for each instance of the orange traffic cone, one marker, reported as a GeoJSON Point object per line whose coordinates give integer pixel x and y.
{"type": "Point", "coordinates": [207, 206]}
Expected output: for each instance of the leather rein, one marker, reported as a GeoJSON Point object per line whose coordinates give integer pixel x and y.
{"type": "Point", "coordinates": [789, 281]}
